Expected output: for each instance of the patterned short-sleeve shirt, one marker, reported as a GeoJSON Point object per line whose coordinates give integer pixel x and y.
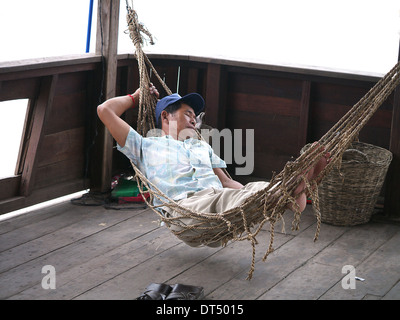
{"type": "Point", "coordinates": [176, 167]}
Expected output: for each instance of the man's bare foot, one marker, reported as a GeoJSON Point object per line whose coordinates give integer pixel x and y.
{"type": "Point", "coordinates": [300, 197]}
{"type": "Point", "coordinates": [299, 193]}
{"type": "Point", "coordinates": [320, 165]}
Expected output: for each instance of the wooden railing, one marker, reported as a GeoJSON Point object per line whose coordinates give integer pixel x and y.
{"type": "Point", "coordinates": [52, 155]}
{"type": "Point", "coordinates": [63, 142]}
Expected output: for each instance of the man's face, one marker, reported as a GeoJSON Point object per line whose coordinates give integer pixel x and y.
{"type": "Point", "coordinates": [182, 123]}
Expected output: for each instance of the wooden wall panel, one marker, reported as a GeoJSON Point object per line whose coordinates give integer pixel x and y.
{"type": "Point", "coordinates": [60, 172]}
{"type": "Point", "coordinates": [329, 102]}
{"type": "Point", "coordinates": [286, 108]}
{"type": "Point", "coordinates": [54, 146]}
{"type": "Point", "coordinates": [61, 156]}
{"type": "Point", "coordinates": [266, 84]}
{"type": "Point", "coordinates": [62, 146]}
{"type": "Point", "coordinates": [271, 106]}
{"type": "Point", "coordinates": [9, 187]}
{"type": "Point", "coordinates": [68, 112]}
{"type": "Point", "coordinates": [269, 142]}
{"type": "Point", "coordinates": [263, 104]}
{"type": "Point", "coordinates": [192, 76]}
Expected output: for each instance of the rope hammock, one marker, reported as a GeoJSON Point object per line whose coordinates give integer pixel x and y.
{"type": "Point", "coordinates": [245, 221]}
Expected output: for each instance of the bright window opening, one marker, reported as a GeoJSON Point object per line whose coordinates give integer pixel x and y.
{"type": "Point", "coordinates": [12, 119]}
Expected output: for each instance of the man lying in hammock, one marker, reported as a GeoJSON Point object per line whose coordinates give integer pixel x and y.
{"type": "Point", "coordinates": [182, 167]}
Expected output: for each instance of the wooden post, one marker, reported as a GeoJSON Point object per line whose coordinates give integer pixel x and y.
{"type": "Point", "coordinates": [107, 45]}
{"type": "Point", "coordinates": [304, 114]}
{"type": "Point", "coordinates": [215, 96]}
{"type": "Point", "coordinates": [392, 191]}
{"type": "Point", "coordinates": [193, 76]}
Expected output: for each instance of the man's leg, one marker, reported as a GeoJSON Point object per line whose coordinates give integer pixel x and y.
{"type": "Point", "coordinates": [220, 200]}
{"type": "Point", "coordinates": [209, 201]}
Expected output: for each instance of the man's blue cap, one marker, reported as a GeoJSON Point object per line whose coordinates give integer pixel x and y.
{"type": "Point", "coordinates": [193, 100]}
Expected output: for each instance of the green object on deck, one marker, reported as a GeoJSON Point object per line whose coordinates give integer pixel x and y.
{"type": "Point", "coordinates": [126, 188]}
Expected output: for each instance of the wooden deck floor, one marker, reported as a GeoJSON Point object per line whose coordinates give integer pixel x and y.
{"type": "Point", "coordinates": [114, 254]}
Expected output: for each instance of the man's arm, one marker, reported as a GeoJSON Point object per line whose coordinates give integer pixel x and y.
{"type": "Point", "coordinates": [110, 113]}
{"type": "Point", "coordinates": [111, 110]}
{"type": "Point", "coordinates": [225, 180]}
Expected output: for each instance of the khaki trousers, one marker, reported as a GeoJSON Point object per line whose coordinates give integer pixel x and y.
{"type": "Point", "coordinates": [211, 201]}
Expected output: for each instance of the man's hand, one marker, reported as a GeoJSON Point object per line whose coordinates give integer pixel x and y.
{"type": "Point", "coordinates": [153, 90]}
{"type": "Point", "coordinates": [225, 180]}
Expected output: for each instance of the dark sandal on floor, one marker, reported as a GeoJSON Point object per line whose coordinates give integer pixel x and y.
{"type": "Point", "coordinates": [156, 291]}
{"type": "Point", "coordinates": [185, 292]}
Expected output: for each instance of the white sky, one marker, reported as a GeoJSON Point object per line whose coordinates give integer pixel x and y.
{"type": "Point", "coordinates": [359, 35]}
{"type": "Point", "coordinates": [356, 35]}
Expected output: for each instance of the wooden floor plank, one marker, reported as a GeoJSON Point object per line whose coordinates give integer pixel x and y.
{"type": "Point", "coordinates": [52, 241]}
{"type": "Point", "coordinates": [70, 246]}
{"type": "Point", "coordinates": [89, 274]}
{"type": "Point", "coordinates": [237, 255]}
{"type": "Point", "coordinates": [233, 262]}
{"type": "Point", "coordinates": [356, 244]}
{"type": "Point", "coordinates": [381, 271]}
{"type": "Point", "coordinates": [307, 282]}
{"type": "Point", "coordinates": [30, 229]}
{"type": "Point", "coordinates": [279, 263]}
{"type": "Point", "coordinates": [323, 271]}
{"type": "Point", "coordinates": [394, 293]}
{"type": "Point", "coordinates": [159, 269]}
{"type": "Point", "coordinates": [32, 217]}
{"type": "Point", "coordinates": [116, 254]}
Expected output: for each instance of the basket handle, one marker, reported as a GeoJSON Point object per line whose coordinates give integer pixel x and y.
{"type": "Point", "coordinates": [354, 155]}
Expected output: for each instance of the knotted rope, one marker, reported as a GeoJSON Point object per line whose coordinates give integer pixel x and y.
{"type": "Point", "coordinates": [267, 205]}
{"type": "Point", "coordinates": [147, 101]}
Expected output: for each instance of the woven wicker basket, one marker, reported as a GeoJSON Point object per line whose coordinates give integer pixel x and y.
{"type": "Point", "coordinates": [347, 197]}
